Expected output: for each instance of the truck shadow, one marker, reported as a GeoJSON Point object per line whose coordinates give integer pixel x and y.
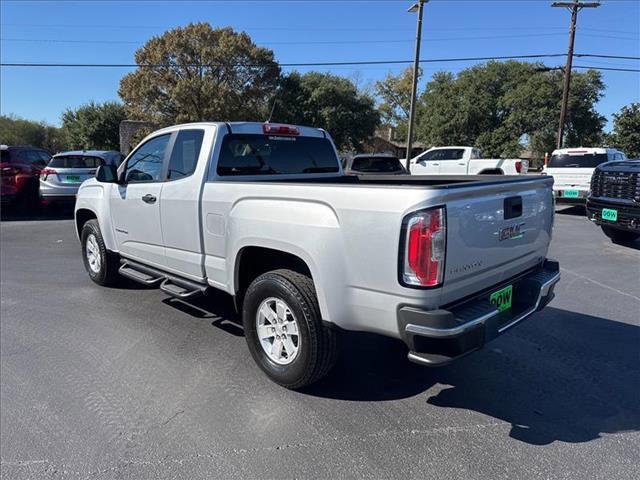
{"type": "Point", "coordinates": [565, 377]}
{"type": "Point", "coordinates": [217, 307]}
{"type": "Point", "coordinates": [573, 381]}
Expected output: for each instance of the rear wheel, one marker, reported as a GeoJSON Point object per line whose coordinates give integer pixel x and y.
{"type": "Point", "coordinates": [284, 331]}
{"type": "Point", "coordinates": [620, 235]}
{"type": "Point", "coordinates": [101, 264]}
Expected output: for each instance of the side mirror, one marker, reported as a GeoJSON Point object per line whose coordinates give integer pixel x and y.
{"type": "Point", "coordinates": [107, 174]}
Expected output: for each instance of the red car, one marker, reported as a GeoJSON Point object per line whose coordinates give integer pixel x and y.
{"type": "Point", "coordinates": [19, 171]}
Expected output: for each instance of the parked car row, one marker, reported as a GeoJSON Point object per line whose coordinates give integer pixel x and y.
{"type": "Point", "coordinates": [30, 174]}
{"type": "Point", "coordinates": [602, 179]}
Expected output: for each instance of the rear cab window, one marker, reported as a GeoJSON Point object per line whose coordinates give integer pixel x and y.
{"type": "Point", "coordinates": [76, 161]}
{"type": "Point", "coordinates": [376, 164]}
{"type": "Point", "coordinates": [255, 154]}
{"type": "Point", "coordinates": [577, 160]}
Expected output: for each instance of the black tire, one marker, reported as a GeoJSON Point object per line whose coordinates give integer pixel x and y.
{"type": "Point", "coordinates": [620, 235]}
{"type": "Point", "coordinates": [317, 344]}
{"type": "Point", "coordinates": [107, 274]}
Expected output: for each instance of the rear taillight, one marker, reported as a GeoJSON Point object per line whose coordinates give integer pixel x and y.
{"type": "Point", "coordinates": [424, 248]}
{"type": "Point", "coordinates": [270, 129]}
{"type": "Point", "coordinates": [45, 172]}
{"type": "Point", "coordinates": [518, 166]}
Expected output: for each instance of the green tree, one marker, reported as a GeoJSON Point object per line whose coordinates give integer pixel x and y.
{"type": "Point", "coordinates": [626, 130]}
{"type": "Point", "coordinates": [94, 126]}
{"type": "Point", "coordinates": [210, 74]}
{"type": "Point", "coordinates": [500, 106]}
{"type": "Point", "coordinates": [394, 93]}
{"type": "Point", "coordinates": [18, 131]}
{"type": "Point", "coordinates": [327, 101]}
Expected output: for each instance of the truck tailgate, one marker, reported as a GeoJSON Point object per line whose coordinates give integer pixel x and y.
{"type": "Point", "coordinates": [494, 233]}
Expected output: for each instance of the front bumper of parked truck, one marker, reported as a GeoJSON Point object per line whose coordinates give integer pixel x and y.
{"type": "Point", "coordinates": [627, 213]}
{"type": "Point", "coordinates": [437, 337]}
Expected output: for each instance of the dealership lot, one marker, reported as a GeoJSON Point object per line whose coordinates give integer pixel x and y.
{"type": "Point", "coordinates": [103, 383]}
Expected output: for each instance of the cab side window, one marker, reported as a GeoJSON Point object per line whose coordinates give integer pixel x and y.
{"type": "Point", "coordinates": [145, 165]}
{"type": "Point", "coordinates": [185, 153]}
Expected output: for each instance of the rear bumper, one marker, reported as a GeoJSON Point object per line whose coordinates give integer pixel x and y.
{"type": "Point", "coordinates": [53, 191]}
{"type": "Point", "coordinates": [437, 337]}
{"type": "Point", "coordinates": [628, 214]}
{"type": "Point", "coordinates": [560, 192]}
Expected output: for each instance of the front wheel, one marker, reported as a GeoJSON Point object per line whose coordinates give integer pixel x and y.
{"type": "Point", "coordinates": [284, 331]}
{"type": "Point", "coordinates": [101, 264]}
{"type": "Point", "coordinates": [620, 235]}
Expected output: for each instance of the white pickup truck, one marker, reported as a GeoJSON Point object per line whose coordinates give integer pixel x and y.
{"type": "Point", "coordinates": [265, 213]}
{"type": "Point", "coordinates": [464, 161]}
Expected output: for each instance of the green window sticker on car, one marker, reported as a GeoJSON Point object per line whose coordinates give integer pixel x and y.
{"type": "Point", "coordinates": [502, 298]}
{"type": "Point", "coordinates": [610, 214]}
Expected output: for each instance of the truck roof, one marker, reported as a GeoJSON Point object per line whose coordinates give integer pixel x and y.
{"type": "Point", "coordinates": [244, 127]}
{"type": "Point", "coordinates": [450, 146]}
{"type": "Point", "coordinates": [582, 150]}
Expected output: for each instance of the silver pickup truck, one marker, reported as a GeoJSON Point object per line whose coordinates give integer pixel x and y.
{"type": "Point", "coordinates": [265, 213]}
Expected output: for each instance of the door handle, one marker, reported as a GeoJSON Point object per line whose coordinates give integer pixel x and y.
{"type": "Point", "coordinates": [436, 164]}
{"type": "Point", "coordinates": [461, 163]}
{"type": "Point", "coordinates": [148, 198]}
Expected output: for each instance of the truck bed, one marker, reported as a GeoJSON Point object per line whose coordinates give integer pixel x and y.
{"type": "Point", "coordinates": [434, 181]}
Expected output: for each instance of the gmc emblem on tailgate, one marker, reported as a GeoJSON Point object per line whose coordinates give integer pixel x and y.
{"type": "Point", "coordinates": [512, 231]}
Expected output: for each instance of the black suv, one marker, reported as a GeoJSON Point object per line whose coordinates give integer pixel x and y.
{"type": "Point", "coordinates": [614, 199]}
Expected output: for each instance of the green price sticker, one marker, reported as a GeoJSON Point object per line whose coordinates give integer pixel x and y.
{"type": "Point", "coordinates": [610, 214]}
{"type": "Point", "coordinates": [571, 194]}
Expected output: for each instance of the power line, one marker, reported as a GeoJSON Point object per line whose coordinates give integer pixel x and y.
{"type": "Point", "coordinates": [312, 64]}
{"type": "Point", "coordinates": [594, 55]}
{"type": "Point", "coordinates": [515, 27]}
{"type": "Point", "coordinates": [612, 69]}
{"type": "Point", "coordinates": [303, 64]}
{"type": "Point", "coordinates": [312, 42]}
{"type": "Point", "coordinates": [303, 42]}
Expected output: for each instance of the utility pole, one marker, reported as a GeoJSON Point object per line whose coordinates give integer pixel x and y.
{"type": "Point", "coordinates": [416, 68]}
{"type": "Point", "coordinates": [574, 7]}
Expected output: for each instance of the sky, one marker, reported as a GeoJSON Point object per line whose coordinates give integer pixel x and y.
{"type": "Point", "coordinates": [301, 31]}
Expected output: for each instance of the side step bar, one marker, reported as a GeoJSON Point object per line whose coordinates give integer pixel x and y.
{"type": "Point", "coordinates": [170, 284]}
{"type": "Point", "coordinates": [126, 270]}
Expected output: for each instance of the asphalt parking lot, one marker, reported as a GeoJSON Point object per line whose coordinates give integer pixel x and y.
{"type": "Point", "coordinates": [125, 383]}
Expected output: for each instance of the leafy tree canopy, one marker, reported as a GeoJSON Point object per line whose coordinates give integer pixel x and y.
{"type": "Point", "coordinates": [211, 74]}
{"type": "Point", "coordinates": [94, 126]}
{"type": "Point", "coordinates": [327, 101]}
{"type": "Point", "coordinates": [499, 106]}
{"type": "Point", "coordinates": [626, 130]}
{"type": "Point", "coordinates": [18, 131]}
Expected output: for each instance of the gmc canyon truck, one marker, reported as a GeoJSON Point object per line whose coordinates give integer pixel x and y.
{"type": "Point", "coordinates": [265, 213]}
{"type": "Point", "coordinates": [464, 161]}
